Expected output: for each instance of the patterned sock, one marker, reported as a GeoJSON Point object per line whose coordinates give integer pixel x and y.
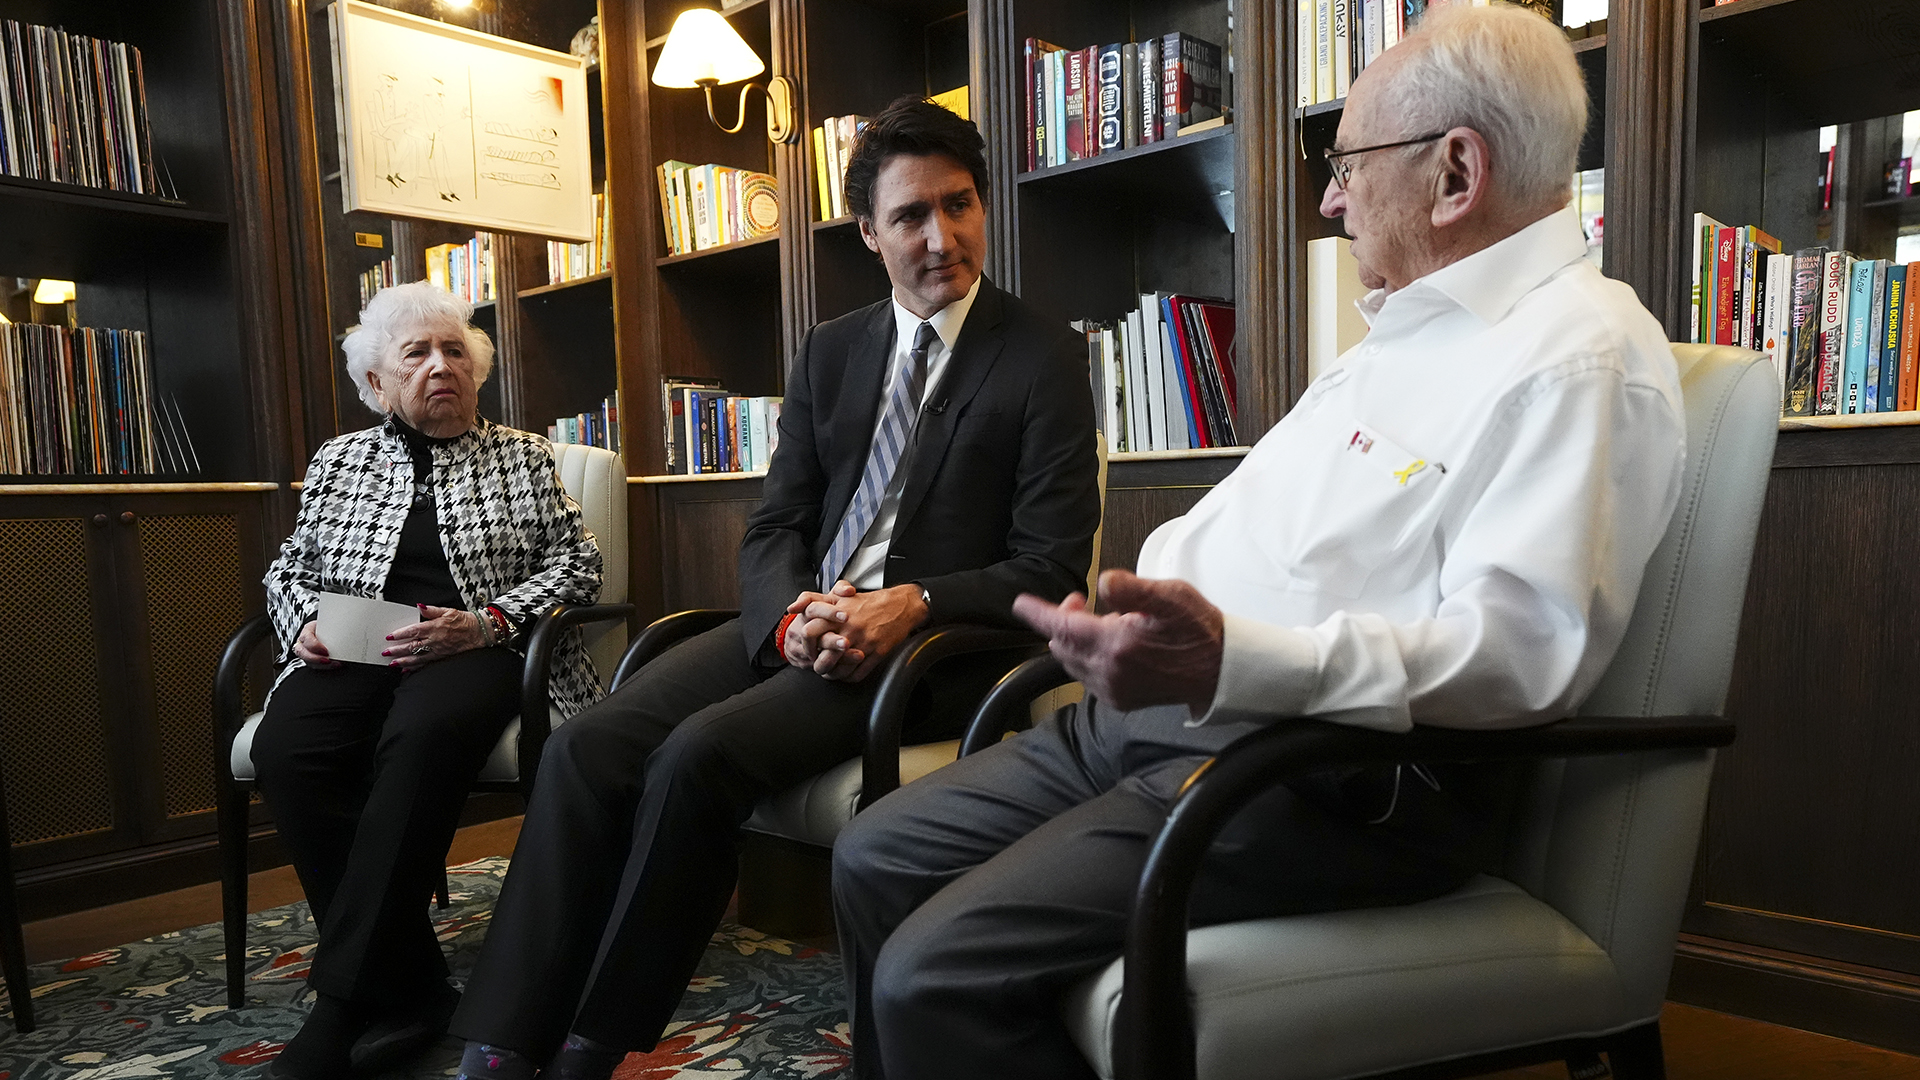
{"type": "Point", "coordinates": [322, 1046]}
{"type": "Point", "coordinates": [483, 1062]}
{"type": "Point", "coordinates": [580, 1058]}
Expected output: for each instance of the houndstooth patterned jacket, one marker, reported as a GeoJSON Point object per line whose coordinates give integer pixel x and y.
{"type": "Point", "coordinates": [512, 536]}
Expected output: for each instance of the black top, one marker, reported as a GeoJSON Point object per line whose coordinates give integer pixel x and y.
{"type": "Point", "coordinates": [419, 574]}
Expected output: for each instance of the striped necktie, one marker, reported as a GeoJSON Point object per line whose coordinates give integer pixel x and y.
{"type": "Point", "coordinates": [889, 443]}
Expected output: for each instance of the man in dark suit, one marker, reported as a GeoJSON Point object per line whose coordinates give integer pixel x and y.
{"type": "Point", "coordinates": [936, 460]}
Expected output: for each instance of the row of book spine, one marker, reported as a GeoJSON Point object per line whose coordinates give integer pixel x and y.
{"type": "Point", "coordinates": [1335, 40]}
{"type": "Point", "coordinates": [600, 428]}
{"type": "Point", "coordinates": [1835, 326]}
{"type": "Point", "coordinates": [384, 273]}
{"type": "Point", "coordinates": [465, 270]}
{"type": "Point", "coordinates": [73, 109]}
{"type": "Point", "coordinates": [83, 402]}
{"type": "Point", "coordinates": [833, 143]}
{"type": "Point", "coordinates": [709, 430]}
{"type": "Point", "coordinates": [571, 262]}
{"type": "Point", "coordinates": [1163, 377]}
{"type": "Point", "coordinates": [1102, 99]}
{"type": "Point", "coordinates": [706, 206]}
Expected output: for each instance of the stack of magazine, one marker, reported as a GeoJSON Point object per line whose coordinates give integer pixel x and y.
{"type": "Point", "coordinates": [84, 402]}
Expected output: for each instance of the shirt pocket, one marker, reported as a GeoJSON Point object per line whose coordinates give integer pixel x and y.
{"type": "Point", "coordinates": [1362, 500]}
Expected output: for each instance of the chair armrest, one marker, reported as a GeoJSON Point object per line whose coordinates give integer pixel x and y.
{"type": "Point", "coordinates": [535, 702]}
{"type": "Point", "coordinates": [229, 706]}
{"type": "Point", "coordinates": [665, 632]}
{"type": "Point", "coordinates": [1006, 706]}
{"type": "Point", "coordinates": [880, 764]}
{"type": "Point", "coordinates": [1155, 960]}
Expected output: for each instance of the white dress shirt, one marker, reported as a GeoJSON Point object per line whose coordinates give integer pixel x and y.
{"type": "Point", "coordinates": [867, 569]}
{"type": "Point", "coordinates": [1451, 525]}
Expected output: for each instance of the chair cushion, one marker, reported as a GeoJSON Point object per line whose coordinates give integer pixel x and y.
{"type": "Point", "coordinates": [1341, 994]}
{"type": "Point", "coordinates": [816, 809]}
{"type": "Point", "coordinates": [502, 764]}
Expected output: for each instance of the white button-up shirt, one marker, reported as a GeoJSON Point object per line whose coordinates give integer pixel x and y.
{"type": "Point", "coordinates": [1451, 525]}
{"type": "Point", "coordinates": [867, 567]}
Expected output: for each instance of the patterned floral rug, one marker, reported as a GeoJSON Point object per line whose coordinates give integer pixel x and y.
{"type": "Point", "coordinates": [759, 1008]}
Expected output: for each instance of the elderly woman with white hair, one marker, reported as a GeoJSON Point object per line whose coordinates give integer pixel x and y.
{"type": "Point", "coordinates": [366, 767]}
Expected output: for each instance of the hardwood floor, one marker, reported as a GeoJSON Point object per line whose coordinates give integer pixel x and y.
{"type": "Point", "coordinates": [1701, 1045]}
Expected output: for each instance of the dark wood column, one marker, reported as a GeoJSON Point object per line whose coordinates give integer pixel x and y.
{"type": "Point", "coordinates": [1649, 106]}
{"type": "Point", "coordinates": [1267, 240]}
{"type": "Point", "coordinates": [792, 164]}
{"type": "Point", "coordinates": [994, 93]}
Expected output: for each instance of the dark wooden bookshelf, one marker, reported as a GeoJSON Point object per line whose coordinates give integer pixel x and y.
{"type": "Point", "coordinates": [1840, 60]}
{"type": "Point", "coordinates": [594, 282]}
{"type": "Point", "coordinates": [718, 251]}
{"type": "Point", "coordinates": [121, 589]}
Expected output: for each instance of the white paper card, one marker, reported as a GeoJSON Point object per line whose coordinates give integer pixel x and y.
{"type": "Point", "coordinates": [355, 629]}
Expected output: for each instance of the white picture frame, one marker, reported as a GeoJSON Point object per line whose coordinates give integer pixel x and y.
{"type": "Point", "coordinates": [449, 124]}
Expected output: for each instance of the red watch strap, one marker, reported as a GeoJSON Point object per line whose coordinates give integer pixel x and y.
{"type": "Point", "coordinates": [780, 635]}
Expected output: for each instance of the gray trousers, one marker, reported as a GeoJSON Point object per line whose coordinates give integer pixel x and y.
{"type": "Point", "coordinates": [968, 902]}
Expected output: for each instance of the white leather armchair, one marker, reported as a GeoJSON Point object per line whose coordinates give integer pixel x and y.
{"type": "Point", "coordinates": [597, 481]}
{"type": "Point", "coordinates": [1566, 955]}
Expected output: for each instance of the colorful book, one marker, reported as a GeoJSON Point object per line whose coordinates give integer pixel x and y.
{"type": "Point", "coordinates": [1909, 369]}
{"type": "Point", "coordinates": [1856, 384]}
{"type": "Point", "coordinates": [1893, 332]}
{"type": "Point", "coordinates": [1803, 330]}
{"type": "Point", "coordinates": [1109, 81]}
{"type": "Point", "coordinates": [1834, 277]}
{"type": "Point", "coordinates": [1076, 104]}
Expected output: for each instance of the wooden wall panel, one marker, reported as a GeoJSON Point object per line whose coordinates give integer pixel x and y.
{"type": "Point", "coordinates": [1819, 786]}
{"type": "Point", "coordinates": [700, 530]}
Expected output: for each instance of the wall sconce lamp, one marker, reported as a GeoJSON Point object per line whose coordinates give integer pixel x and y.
{"type": "Point", "coordinates": [704, 50]}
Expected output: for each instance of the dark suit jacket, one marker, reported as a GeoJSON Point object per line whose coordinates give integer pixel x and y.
{"type": "Point", "coordinates": [1001, 495]}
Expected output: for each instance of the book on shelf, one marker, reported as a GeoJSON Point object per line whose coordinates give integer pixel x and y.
{"type": "Point", "coordinates": [85, 402]}
{"type": "Point", "coordinates": [1082, 103]}
{"type": "Point", "coordinates": [384, 273]}
{"type": "Point", "coordinates": [709, 430]}
{"type": "Point", "coordinates": [833, 144]}
{"type": "Point", "coordinates": [571, 262]}
{"type": "Point", "coordinates": [73, 109]}
{"type": "Point", "coordinates": [1334, 322]}
{"type": "Point", "coordinates": [1163, 376]}
{"type": "Point", "coordinates": [600, 428]}
{"type": "Point", "coordinates": [1835, 326]}
{"type": "Point", "coordinates": [1339, 38]}
{"type": "Point", "coordinates": [465, 270]}
{"type": "Point", "coordinates": [705, 206]}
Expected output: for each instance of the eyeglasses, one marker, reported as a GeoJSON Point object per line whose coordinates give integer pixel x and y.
{"type": "Point", "coordinates": [1343, 170]}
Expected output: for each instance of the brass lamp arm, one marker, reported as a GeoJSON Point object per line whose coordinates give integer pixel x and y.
{"type": "Point", "coordinates": [779, 93]}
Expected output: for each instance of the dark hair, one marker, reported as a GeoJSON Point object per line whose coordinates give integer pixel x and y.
{"type": "Point", "coordinates": [912, 126]}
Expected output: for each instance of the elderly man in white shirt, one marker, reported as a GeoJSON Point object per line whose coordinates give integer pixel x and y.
{"type": "Point", "coordinates": [1449, 528]}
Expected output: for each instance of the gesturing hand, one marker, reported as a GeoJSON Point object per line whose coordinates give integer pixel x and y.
{"type": "Point", "coordinates": [444, 632]}
{"type": "Point", "coordinates": [1159, 642]}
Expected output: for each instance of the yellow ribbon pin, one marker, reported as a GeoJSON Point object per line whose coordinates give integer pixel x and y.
{"type": "Point", "coordinates": [1403, 475]}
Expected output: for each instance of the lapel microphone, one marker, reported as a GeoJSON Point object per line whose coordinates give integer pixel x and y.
{"type": "Point", "coordinates": [938, 407]}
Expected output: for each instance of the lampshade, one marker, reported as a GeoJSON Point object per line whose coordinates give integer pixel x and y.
{"type": "Point", "coordinates": [704, 46]}
{"type": "Point", "coordinates": [50, 291]}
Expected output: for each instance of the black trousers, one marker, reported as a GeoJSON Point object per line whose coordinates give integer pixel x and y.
{"type": "Point", "coordinates": [366, 771]}
{"type": "Point", "coordinates": [629, 850]}
{"type": "Point", "coordinates": [969, 901]}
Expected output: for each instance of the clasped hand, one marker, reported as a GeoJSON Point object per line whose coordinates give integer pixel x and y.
{"type": "Point", "coordinates": [844, 634]}
{"type": "Point", "coordinates": [1156, 643]}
